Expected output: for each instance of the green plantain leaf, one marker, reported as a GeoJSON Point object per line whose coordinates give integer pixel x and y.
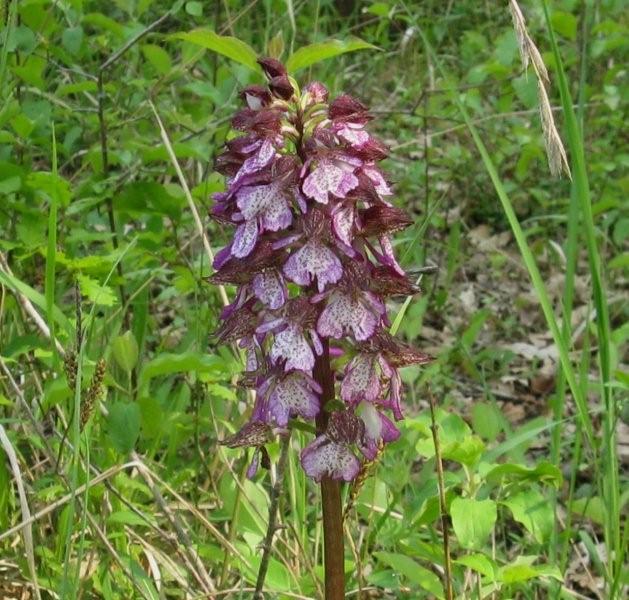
{"type": "Point", "coordinates": [226, 45]}
{"type": "Point", "coordinates": [314, 53]}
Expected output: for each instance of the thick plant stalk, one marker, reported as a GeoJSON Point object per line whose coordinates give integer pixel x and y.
{"type": "Point", "coordinates": [333, 550]}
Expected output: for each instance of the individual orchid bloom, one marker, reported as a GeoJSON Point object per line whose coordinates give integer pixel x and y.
{"type": "Point", "coordinates": [330, 454]}
{"type": "Point", "coordinates": [350, 312]}
{"type": "Point", "coordinates": [269, 287]}
{"type": "Point", "coordinates": [313, 260]}
{"type": "Point", "coordinates": [289, 395]}
{"type": "Point", "coordinates": [313, 264]}
{"type": "Point", "coordinates": [331, 175]}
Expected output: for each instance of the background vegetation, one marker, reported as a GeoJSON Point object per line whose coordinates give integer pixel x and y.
{"type": "Point", "coordinates": [113, 397]}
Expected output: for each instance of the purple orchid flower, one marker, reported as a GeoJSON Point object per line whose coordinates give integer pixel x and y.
{"type": "Point", "coordinates": [313, 262]}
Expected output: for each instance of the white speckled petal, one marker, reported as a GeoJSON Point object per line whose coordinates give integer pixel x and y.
{"type": "Point", "coordinates": [325, 458]}
{"type": "Point", "coordinates": [343, 224]}
{"type": "Point", "coordinates": [382, 187]}
{"type": "Point", "coordinates": [270, 289]}
{"type": "Point", "coordinates": [277, 215]}
{"type": "Point", "coordinates": [326, 177]}
{"type": "Point", "coordinates": [356, 137]}
{"type": "Point", "coordinates": [293, 396]}
{"type": "Point", "coordinates": [361, 379]}
{"type": "Point", "coordinates": [245, 239]}
{"type": "Point", "coordinates": [252, 200]}
{"type": "Point", "coordinates": [291, 345]}
{"type": "Point", "coordinates": [254, 163]}
{"type": "Point", "coordinates": [313, 260]}
{"type": "Point", "coordinates": [344, 314]}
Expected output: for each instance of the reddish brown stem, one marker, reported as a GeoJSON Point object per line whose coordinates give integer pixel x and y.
{"type": "Point", "coordinates": [333, 552]}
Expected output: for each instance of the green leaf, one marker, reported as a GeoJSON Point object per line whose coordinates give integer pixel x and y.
{"type": "Point", "coordinates": [127, 517]}
{"type": "Point", "coordinates": [148, 196]}
{"type": "Point", "coordinates": [413, 571]}
{"type": "Point", "coordinates": [487, 420]}
{"type": "Point", "coordinates": [544, 472]}
{"type": "Point", "coordinates": [125, 351]}
{"type": "Point", "coordinates": [226, 45]}
{"type": "Point", "coordinates": [158, 57]}
{"type": "Point", "coordinates": [593, 508]}
{"type": "Point", "coordinates": [479, 563]}
{"type": "Point", "coordinates": [101, 295]}
{"type": "Point", "coordinates": [523, 569]}
{"type": "Point", "coordinates": [72, 39]}
{"type": "Point", "coordinates": [167, 364]}
{"type": "Point", "coordinates": [565, 24]}
{"type": "Point", "coordinates": [314, 53]}
{"type": "Point", "coordinates": [473, 520]}
{"type": "Point", "coordinates": [530, 508]}
{"type": "Point", "coordinates": [194, 8]}
{"type": "Point", "coordinates": [123, 426]}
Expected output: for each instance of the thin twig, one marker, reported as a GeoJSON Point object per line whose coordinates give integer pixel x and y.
{"type": "Point", "coordinates": [447, 575]}
{"type": "Point", "coordinates": [26, 513]}
{"type": "Point", "coordinates": [186, 190]}
{"type": "Point", "coordinates": [273, 509]}
{"type": "Point", "coordinates": [29, 308]}
{"type": "Point", "coordinates": [203, 576]}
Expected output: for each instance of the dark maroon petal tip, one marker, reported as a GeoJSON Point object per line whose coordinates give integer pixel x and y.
{"type": "Point", "coordinates": [272, 67]}
{"type": "Point", "coordinates": [280, 86]}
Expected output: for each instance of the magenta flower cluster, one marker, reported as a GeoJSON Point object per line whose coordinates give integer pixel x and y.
{"type": "Point", "coordinates": [314, 265]}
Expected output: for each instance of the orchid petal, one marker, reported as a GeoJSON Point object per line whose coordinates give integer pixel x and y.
{"type": "Point", "coordinates": [323, 457]}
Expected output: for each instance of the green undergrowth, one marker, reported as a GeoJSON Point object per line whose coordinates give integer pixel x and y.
{"type": "Point", "coordinates": [114, 396]}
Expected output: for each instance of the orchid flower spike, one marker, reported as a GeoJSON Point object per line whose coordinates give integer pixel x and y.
{"type": "Point", "coordinates": [312, 259]}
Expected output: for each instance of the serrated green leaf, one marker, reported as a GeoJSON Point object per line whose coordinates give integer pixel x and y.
{"type": "Point", "coordinates": [314, 53]}
{"type": "Point", "coordinates": [226, 45]}
{"type": "Point", "coordinates": [101, 295]}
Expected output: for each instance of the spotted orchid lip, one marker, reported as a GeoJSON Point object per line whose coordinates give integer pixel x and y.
{"type": "Point", "coordinates": [312, 260]}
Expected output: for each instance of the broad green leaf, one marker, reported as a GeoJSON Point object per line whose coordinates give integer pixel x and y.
{"type": "Point", "coordinates": [123, 426]}
{"type": "Point", "coordinates": [479, 563]}
{"type": "Point", "coordinates": [147, 196]}
{"type": "Point", "coordinates": [530, 508]}
{"type": "Point", "coordinates": [523, 569]}
{"type": "Point", "coordinates": [413, 571]}
{"type": "Point", "coordinates": [167, 364]}
{"type": "Point", "coordinates": [565, 24]}
{"type": "Point", "coordinates": [473, 521]}
{"type": "Point", "coordinates": [226, 45]}
{"type": "Point", "coordinates": [591, 508]}
{"type": "Point", "coordinates": [314, 53]}
{"type": "Point", "coordinates": [487, 420]}
{"type": "Point", "coordinates": [158, 57]}
{"type": "Point", "coordinates": [544, 472]}
{"type": "Point", "coordinates": [153, 420]}
{"type": "Point", "coordinates": [72, 39]}
{"type": "Point", "coordinates": [125, 351]}
{"type": "Point", "coordinates": [127, 517]}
